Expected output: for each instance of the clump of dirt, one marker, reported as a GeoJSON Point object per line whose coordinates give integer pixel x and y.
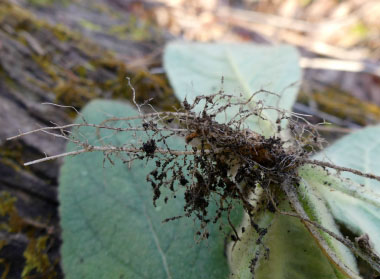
{"type": "Point", "coordinates": [149, 147]}
{"type": "Point", "coordinates": [224, 163]}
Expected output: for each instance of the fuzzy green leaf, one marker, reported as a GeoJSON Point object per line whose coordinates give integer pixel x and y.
{"type": "Point", "coordinates": [110, 227]}
{"type": "Point", "coordinates": [316, 209]}
{"type": "Point", "coordinates": [196, 69]}
{"type": "Point", "coordinates": [293, 252]}
{"type": "Point", "coordinates": [356, 203]}
{"type": "Point", "coordinates": [241, 253]}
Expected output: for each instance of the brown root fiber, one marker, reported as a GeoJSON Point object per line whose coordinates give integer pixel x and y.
{"type": "Point", "coordinates": [227, 162]}
{"type": "Point", "coordinates": [221, 163]}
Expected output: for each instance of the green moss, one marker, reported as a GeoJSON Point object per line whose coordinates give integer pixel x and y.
{"type": "Point", "coordinates": [147, 85]}
{"type": "Point", "coordinates": [73, 93]}
{"type": "Point", "coordinates": [11, 155]}
{"type": "Point", "coordinates": [6, 78]}
{"type": "Point", "coordinates": [6, 264]}
{"type": "Point", "coordinates": [37, 259]}
{"type": "Point", "coordinates": [79, 84]}
{"type": "Point", "coordinates": [105, 9]}
{"type": "Point", "coordinates": [82, 70]}
{"type": "Point", "coordinates": [45, 63]}
{"type": "Point", "coordinates": [47, 2]}
{"type": "Point", "coordinates": [8, 209]}
{"type": "Point", "coordinates": [90, 25]}
{"type": "Point", "coordinates": [61, 32]}
{"type": "Point", "coordinates": [135, 29]}
{"type": "Point", "coordinates": [344, 106]}
{"type": "Point", "coordinates": [22, 20]}
{"type": "Point", "coordinates": [37, 262]}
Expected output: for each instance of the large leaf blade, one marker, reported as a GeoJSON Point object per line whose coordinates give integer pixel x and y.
{"type": "Point", "coordinates": [196, 69]}
{"type": "Point", "coordinates": [110, 227]}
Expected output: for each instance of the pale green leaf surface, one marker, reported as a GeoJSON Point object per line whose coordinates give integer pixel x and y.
{"type": "Point", "coordinates": [293, 252]}
{"type": "Point", "coordinates": [360, 151]}
{"type": "Point", "coordinates": [358, 209]}
{"type": "Point", "coordinates": [196, 69]}
{"type": "Point", "coordinates": [242, 252]}
{"type": "Point", "coordinates": [358, 215]}
{"type": "Point", "coordinates": [110, 227]}
{"type": "Point", "coordinates": [315, 207]}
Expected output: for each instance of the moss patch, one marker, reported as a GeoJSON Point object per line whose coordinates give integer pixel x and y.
{"type": "Point", "coordinates": [37, 261]}
{"type": "Point", "coordinates": [93, 72]}
{"type": "Point", "coordinates": [344, 106]}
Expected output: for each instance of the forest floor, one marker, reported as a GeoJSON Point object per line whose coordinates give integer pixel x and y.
{"type": "Point", "coordinates": [69, 52]}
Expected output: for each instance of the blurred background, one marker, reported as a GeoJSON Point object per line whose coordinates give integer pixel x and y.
{"type": "Point", "coordinates": [71, 51]}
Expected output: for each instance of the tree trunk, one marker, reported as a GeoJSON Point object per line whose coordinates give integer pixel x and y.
{"type": "Point", "coordinates": [66, 54]}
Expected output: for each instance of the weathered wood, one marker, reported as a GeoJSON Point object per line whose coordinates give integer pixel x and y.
{"type": "Point", "coordinates": [66, 54]}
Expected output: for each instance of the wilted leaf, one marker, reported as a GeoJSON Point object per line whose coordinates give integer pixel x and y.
{"type": "Point", "coordinates": [196, 69]}
{"type": "Point", "coordinates": [110, 227]}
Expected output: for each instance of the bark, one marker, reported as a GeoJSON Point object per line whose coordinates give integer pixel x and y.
{"type": "Point", "coordinates": [68, 54]}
